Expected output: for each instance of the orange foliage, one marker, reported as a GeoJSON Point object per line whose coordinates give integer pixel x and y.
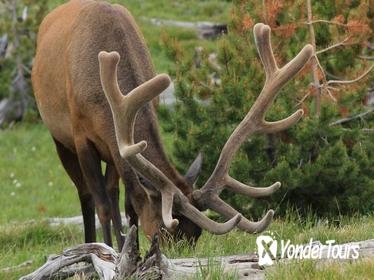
{"type": "Point", "coordinates": [358, 27]}
{"type": "Point", "coordinates": [344, 111]}
{"type": "Point", "coordinates": [306, 70]}
{"type": "Point", "coordinates": [286, 30]}
{"type": "Point", "coordinates": [339, 19]}
{"type": "Point", "coordinates": [320, 75]}
{"type": "Point", "coordinates": [247, 22]}
{"type": "Point", "coordinates": [305, 108]}
{"type": "Point", "coordinates": [273, 8]}
{"type": "Point", "coordinates": [312, 90]}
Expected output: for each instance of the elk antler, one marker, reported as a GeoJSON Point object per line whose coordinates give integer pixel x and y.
{"type": "Point", "coordinates": [124, 109]}
{"type": "Point", "coordinates": [208, 195]}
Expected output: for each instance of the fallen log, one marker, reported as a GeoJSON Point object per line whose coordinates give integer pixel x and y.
{"type": "Point", "coordinates": [3, 45]}
{"type": "Point", "coordinates": [10, 111]}
{"type": "Point", "coordinates": [78, 221]}
{"type": "Point", "coordinates": [206, 30]}
{"type": "Point", "coordinates": [101, 260]}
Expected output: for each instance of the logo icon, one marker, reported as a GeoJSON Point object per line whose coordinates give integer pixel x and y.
{"type": "Point", "coordinates": [266, 249]}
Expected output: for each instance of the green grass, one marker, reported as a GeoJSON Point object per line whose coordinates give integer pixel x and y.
{"type": "Point", "coordinates": [33, 182]}
{"type": "Point", "coordinates": [20, 243]}
{"type": "Point", "coordinates": [181, 10]}
{"type": "Point", "coordinates": [311, 270]}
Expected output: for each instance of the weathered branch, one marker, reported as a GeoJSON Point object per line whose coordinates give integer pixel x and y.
{"type": "Point", "coordinates": [345, 82]}
{"type": "Point", "coordinates": [315, 62]}
{"type": "Point", "coordinates": [17, 267]}
{"type": "Point", "coordinates": [325, 21]}
{"type": "Point", "coordinates": [342, 43]}
{"type": "Point", "coordinates": [3, 45]}
{"type": "Point", "coordinates": [359, 116]}
{"type": "Point", "coordinates": [366, 57]}
{"type": "Point", "coordinates": [78, 220]}
{"type": "Point", "coordinates": [105, 262]}
{"type": "Point", "coordinates": [206, 30]}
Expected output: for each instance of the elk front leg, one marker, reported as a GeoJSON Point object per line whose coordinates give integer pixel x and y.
{"type": "Point", "coordinates": [90, 164]}
{"type": "Point", "coordinates": [70, 162]}
{"type": "Point", "coordinates": [112, 189]}
{"type": "Point", "coordinates": [133, 194]}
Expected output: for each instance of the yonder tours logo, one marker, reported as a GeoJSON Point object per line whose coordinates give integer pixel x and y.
{"type": "Point", "coordinates": [270, 249]}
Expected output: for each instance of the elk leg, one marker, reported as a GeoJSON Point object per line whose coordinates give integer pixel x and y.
{"type": "Point", "coordinates": [70, 162]}
{"type": "Point", "coordinates": [133, 194]}
{"type": "Point", "coordinates": [90, 163]}
{"type": "Point", "coordinates": [111, 179]}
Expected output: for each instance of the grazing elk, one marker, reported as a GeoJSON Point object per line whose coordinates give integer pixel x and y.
{"type": "Point", "coordinates": [94, 116]}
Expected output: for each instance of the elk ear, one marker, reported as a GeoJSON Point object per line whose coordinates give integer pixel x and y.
{"type": "Point", "coordinates": [194, 170]}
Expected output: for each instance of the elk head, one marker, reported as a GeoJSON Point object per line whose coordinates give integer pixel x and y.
{"type": "Point", "coordinates": [173, 201]}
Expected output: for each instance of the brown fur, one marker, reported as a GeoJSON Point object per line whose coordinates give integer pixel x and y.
{"type": "Point", "coordinates": [73, 106]}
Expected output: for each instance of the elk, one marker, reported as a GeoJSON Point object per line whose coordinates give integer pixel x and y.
{"type": "Point", "coordinates": [94, 115]}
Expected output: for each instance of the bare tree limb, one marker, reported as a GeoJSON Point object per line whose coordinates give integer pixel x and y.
{"type": "Point", "coordinates": [359, 116]}
{"type": "Point", "coordinates": [17, 267]}
{"type": "Point", "coordinates": [325, 21]}
{"type": "Point", "coordinates": [351, 81]}
{"type": "Point", "coordinates": [315, 62]}
{"type": "Point", "coordinates": [342, 43]}
{"type": "Point", "coordinates": [365, 57]}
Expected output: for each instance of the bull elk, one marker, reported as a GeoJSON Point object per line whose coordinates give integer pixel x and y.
{"type": "Point", "coordinates": [95, 116]}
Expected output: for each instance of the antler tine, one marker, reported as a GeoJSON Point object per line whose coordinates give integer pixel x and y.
{"type": "Point", "coordinates": [124, 109]}
{"type": "Point", "coordinates": [254, 121]}
{"type": "Point", "coordinates": [219, 206]}
{"type": "Point", "coordinates": [262, 40]}
{"type": "Point", "coordinates": [109, 82]}
{"type": "Point", "coordinates": [275, 78]}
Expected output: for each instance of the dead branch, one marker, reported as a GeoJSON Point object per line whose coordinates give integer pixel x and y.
{"type": "Point", "coordinates": [345, 82]}
{"type": "Point", "coordinates": [3, 45]}
{"type": "Point", "coordinates": [325, 21]}
{"type": "Point", "coordinates": [340, 44]}
{"type": "Point", "coordinates": [17, 267]}
{"type": "Point", "coordinates": [206, 30]}
{"type": "Point", "coordinates": [359, 116]}
{"type": "Point", "coordinates": [77, 220]}
{"type": "Point", "coordinates": [315, 61]}
{"type": "Point", "coordinates": [10, 111]}
{"type": "Point", "coordinates": [86, 253]}
{"type": "Point", "coordinates": [365, 57]}
{"type": "Point", "coordinates": [100, 260]}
